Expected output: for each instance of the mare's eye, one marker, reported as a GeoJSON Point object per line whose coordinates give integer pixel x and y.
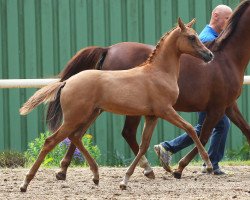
{"type": "Point", "coordinates": [191, 38]}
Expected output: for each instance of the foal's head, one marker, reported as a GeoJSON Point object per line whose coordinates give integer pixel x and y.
{"type": "Point", "coordinates": [189, 43]}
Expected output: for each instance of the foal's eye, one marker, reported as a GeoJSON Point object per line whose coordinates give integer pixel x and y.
{"type": "Point", "coordinates": [191, 38]}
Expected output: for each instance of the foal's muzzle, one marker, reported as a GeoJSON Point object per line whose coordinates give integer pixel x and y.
{"type": "Point", "coordinates": [207, 56]}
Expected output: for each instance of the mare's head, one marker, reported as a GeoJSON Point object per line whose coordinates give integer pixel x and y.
{"type": "Point", "coordinates": [189, 43]}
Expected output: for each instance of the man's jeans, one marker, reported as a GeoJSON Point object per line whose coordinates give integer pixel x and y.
{"type": "Point", "coordinates": [217, 140]}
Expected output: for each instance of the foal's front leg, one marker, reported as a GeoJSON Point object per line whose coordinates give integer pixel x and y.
{"type": "Point", "coordinates": [129, 134]}
{"type": "Point", "coordinates": [173, 117]}
{"type": "Point", "coordinates": [150, 123]}
{"type": "Point", "coordinates": [207, 127]}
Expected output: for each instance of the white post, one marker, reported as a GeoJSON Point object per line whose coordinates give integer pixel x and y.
{"type": "Point", "coordinates": [246, 80]}
{"type": "Point", "coordinates": [38, 83]}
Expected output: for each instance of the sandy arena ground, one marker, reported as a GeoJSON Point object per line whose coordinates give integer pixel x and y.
{"type": "Point", "coordinates": [193, 185]}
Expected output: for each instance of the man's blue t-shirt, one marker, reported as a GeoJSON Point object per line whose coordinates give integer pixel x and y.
{"type": "Point", "coordinates": [208, 34]}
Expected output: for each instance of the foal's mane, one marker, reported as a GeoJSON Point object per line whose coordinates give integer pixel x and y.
{"type": "Point", "coordinates": [220, 42]}
{"type": "Point", "coordinates": [156, 49]}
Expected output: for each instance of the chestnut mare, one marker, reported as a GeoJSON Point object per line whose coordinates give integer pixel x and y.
{"type": "Point", "coordinates": [149, 90]}
{"type": "Point", "coordinates": [213, 87]}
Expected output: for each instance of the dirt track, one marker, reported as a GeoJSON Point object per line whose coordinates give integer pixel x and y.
{"type": "Point", "coordinates": [193, 185]}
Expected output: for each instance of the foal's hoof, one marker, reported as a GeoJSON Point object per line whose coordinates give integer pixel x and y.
{"type": "Point", "coordinates": [61, 176]}
{"type": "Point", "coordinates": [150, 175]}
{"type": "Point", "coordinates": [123, 186]}
{"type": "Point", "coordinates": [177, 175]}
{"type": "Point", "coordinates": [96, 181]}
{"type": "Point", "coordinates": [23, 189]}
{"type": "Point", "coordinates": [209, 170]}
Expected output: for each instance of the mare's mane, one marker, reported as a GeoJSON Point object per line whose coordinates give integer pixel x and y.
{"type": "Point", "coordinates": [222, 39]}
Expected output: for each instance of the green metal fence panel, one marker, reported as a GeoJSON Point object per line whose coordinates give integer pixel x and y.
{"type": "Point", "coordinates": [13, 71]}
{"type": "Point", "coordinates": [38, 38]}
{"type": "Point", "coordinates": [1, 91]}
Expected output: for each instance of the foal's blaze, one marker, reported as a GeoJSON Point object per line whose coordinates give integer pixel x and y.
{"type": "Point", "coordinates": [119, 92]}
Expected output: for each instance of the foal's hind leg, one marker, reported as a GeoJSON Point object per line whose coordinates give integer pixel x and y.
{"type": "Point", "coordinates": [129, 134]}
{"type": "Point", "coordinates": [173, 117]}
{"type": "Point", "coordinates": [49, 144]}
{"type": "Point", "coordinates": [65, 162]}
{"type": "Point", "coordinates": [76, 139]}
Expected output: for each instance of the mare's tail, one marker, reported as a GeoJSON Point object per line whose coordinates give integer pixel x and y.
{"type": "Point", "coordinates": [45, 94]}
{"type": "Point", "coordinates": [88, 58]}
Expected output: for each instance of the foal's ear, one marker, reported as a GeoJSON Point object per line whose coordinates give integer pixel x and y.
{"type": "Point", "coordinates": [181, 24]}
{"type": "Point", "coordinates": [190, 24]}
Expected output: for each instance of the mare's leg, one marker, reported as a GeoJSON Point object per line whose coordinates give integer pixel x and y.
{"type": "Point", "coordinates": [129, 134]}
{"type": "Point", "coordinates": [173, 117]}
{"type": "Point", "coordinates": [211, 120]}
{"type": "Point", "coordinates": [49, 144]}
{"type": "Point", "coordinates": [65, 162]}
{"type": "Point", "coordinates": [150, 123]}
{"type": "Point", "coordinates": [234, 114]}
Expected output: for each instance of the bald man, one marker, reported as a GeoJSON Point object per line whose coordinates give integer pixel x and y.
{"type": "Point", "coordinates": [217, 22]}
{"type": "Point", "coordinates": [164, 150]}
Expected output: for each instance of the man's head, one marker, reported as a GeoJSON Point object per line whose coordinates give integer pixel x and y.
{"type": "Point", "coordinates": [219, 16]}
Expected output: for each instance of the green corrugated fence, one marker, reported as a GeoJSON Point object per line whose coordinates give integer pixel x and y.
{"type": "Point", "coordinates": [37, 39]}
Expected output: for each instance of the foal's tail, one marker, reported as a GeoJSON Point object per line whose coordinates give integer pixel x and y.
{"type": "Point", "coordinates": [87, 58]}
{"type": "Point", "coordinates": [45, 94]}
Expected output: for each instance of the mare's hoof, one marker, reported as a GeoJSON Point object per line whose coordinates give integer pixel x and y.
{"type": "Point", "coordinates": [150, 175]}
{"type": "Point", "coordinates": [177, 175]}
{"type": "Point", "coordinates": [23, 189]}
{"type": "Point", "coordinates": [61, 176]}
{"type": "Point", "coordinates": [209, 170]}
{"type": "Point", "coordinates": [123, 186]}
{"type": "Point", "coordinates": [96, 181]}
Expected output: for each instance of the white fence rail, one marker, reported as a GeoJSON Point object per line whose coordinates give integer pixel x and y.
{"type": "Point", "coordinates": [38, 83]}
{"type": "Point", "coordinates": [25, 83]}
{"type": "Point", "coordinates": [246, 80]}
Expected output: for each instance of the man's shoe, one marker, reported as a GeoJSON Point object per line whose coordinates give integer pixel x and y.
{"type": "Point", "coordinates": [215, 172]}
{"type": "Point", "coordinates": [218, 172]}
{"type": "Point", "coordinates": [164, 156]}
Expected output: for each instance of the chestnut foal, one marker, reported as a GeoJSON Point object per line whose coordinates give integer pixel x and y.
{"type": "Point", "coordinates": [150, 90]}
